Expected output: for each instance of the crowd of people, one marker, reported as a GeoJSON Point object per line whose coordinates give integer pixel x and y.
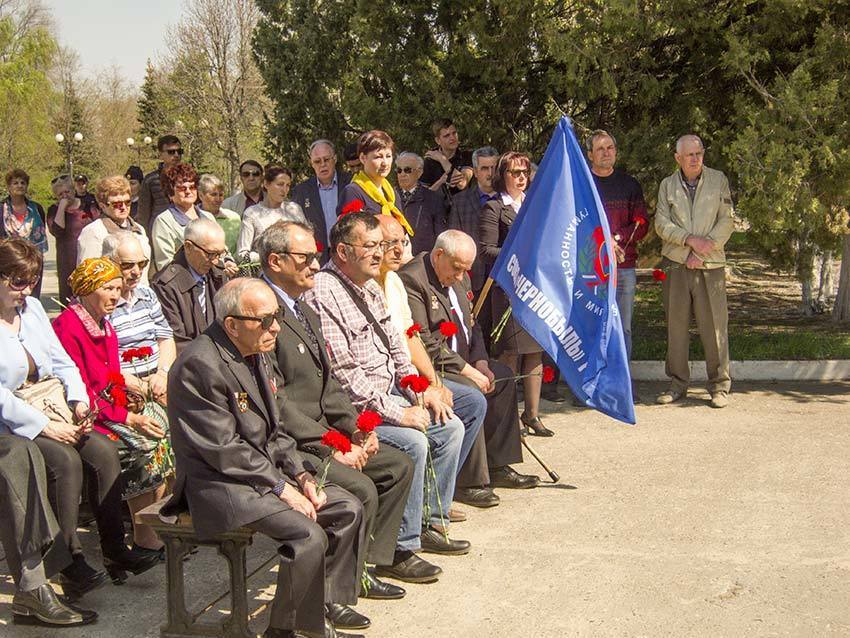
{"type": "Point", "coordinates": [308, 366]}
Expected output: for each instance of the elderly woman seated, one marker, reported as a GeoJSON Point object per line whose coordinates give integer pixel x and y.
{"type": "Point", "coordinates": [133, 424]}
{"type": "Point", "coordinates": [145, 340]}
{"type": "Point", "coordinates": [44, 399]}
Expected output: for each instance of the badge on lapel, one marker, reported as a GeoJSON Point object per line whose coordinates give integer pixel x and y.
{"type": "Point", "coordinates": [434, 303]}
{"type": "Point", "coordinates": [469, 295]}
{"type": "Point", "coordinates": [241, 401]}
{"type": "Point", "coordinates": [307, 203]}
{"type": "Point", "coordinates": [301, 348]}
{"type": "Point", "coordinates": [273, 384]}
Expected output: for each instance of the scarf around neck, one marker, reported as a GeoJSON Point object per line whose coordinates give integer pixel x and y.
{"type": "Point", "coordinates": [385, 196]}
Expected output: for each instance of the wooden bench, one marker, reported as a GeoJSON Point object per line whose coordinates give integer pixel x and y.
{"type": "Point", "coordinates": [180, 539]}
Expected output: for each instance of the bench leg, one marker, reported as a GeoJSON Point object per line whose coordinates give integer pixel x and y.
{"type": "Point", "coordinates": [234, 551]}
{"type": "Point", "coordinates": [179, 619]}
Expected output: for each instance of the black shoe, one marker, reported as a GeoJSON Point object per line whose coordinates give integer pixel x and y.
{"type": "Point", "coordinates": [344, 617]}
{"type": "Point", "coordinates": [434, 542]}
{"type": "Point", "coordinates": [534, 427]}
{"type": "Point", "coordinates": [79, 578]}
{"type": "Point", "coordinates": [379, 590]}
{"type": "Point", "coordinates": [508, 477]}
{"type": "Point", "coordinates": [482, 497]}
{"type": "Point", "coordinates": [118, 561]}
{"type": "Point", "coordinates": [145, 551]}
{"type": "Point", "coordinates": [408, 567]}
{"type": "Point", "coordinates": [551, 394]}
{"type": "Point", "coordinates": [42, 606]}
{"type": "Point", "coordinates": [331, 632]}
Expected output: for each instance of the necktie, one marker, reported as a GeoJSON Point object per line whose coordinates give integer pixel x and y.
{"type": "Point", "coordinates": [405, 197]}
{"type": "Point", "coordinates": [314, 342]}
{"type": "Point", "coordinates": [202, 295]}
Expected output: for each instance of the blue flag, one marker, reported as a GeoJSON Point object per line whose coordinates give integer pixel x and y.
{"type": "Point", "coordinates": [558, 271]}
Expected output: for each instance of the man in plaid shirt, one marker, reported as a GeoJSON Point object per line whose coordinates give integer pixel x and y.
{"type": "Point", "coordinates": [369, 361]}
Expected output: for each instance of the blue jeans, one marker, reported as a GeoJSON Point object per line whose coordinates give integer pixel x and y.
{"type": "Point", "coordinates": [445, 442]}
{"type": "Point", "coordinates": [626, 285]}
{"type": "Point", "coordinates": [470, 406]}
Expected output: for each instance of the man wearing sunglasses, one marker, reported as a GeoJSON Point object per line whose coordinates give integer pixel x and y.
{"type": "Point", "coordinates": [152, 199]}
{"type": "Point", "coordinates": [237, 467]}
{"type": "Point", "coordinates": [186, 287]}
{"type": "Point", "coordinates": [251, 175]}
{"type": "Point", "coordinates": [425, 210]}
{"type": "Point", "coordinates": [319, 196]}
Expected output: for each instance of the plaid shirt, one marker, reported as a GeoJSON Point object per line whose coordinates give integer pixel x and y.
{"type": "Point", "coordinates": [360, 360]}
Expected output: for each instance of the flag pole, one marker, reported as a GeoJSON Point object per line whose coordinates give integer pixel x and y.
{"type": "Point", "coordinates": [485, 290]}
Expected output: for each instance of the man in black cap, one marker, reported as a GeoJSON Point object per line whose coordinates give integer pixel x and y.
{"type": "Point", "coordinates": [135, 176]}
{"type": "Point", "coordinates": [81, 186]}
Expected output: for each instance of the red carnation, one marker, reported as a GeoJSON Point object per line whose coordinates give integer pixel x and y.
{"type": "Point", "coordinates": [145, 352]}
{"type": "Point", "coordinates": [368, 421]}
{"type": "Point", "coordinates": [548, 374]}
{"type": "Point", "coordinates": [415, 383]}
{"type": "Point", "coordinates": [639, 221]}
{"type": "Point", "coordinates": [320, 247]}
{"type": "Point", "coordinates": [128, 355]}
{"type": "Point", "coordinates": [118, 396]}
{"type": "Point", "coordinates": [116, 378]}
{"type": "Point", "coordinates": [448, 329]}
{"type": "Point", "coordinates": [413, 330]}
{"type": "Point", "coordinates": [659, 275]}
{"type": "Point", "coordinates": [354, 206]}
{"type": "Point", "coordinates": [337, 441]}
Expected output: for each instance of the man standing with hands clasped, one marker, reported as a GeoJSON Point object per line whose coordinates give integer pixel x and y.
{"type": "Point", "coordinates": [693, 217]}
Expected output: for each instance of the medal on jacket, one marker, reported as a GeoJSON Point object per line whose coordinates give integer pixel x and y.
{"type": "Point", "coordinates": [301, 348]}
{"type": "Point", "coordinates": [307, 203]}
{"type": "Point", "coordinates": [434, 304]}
{"type": "Point", "coordinates": [241, 401]}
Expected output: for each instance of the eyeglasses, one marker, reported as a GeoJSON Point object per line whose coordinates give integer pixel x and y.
{"type": "Point", "coordinates": [128, 265]}
{"type": "Point", "coordinates": [320, 161]}
{"type": "Point", "coordinates": [388, 245]}
{"type": "Point", "coordinates": [21, 284]}
{"type": "Point", "coordinates": [308, 257]}
{"type": "Point", "coordinates": [404, 169]}
{"type": "Point", "coordinates": [251, 173]}
{"type": "Point", "coordinates": [517, 172]}
{"type": "Point", "coordinates": [118, 204]}
{"type": "Point", "coordinates": [173, 151]}
{"type": "Point", "coordinates": [212, 255]}
{"type": "Point", "coordinates": [367, 248]}
{"type": "Point", "coordinates": [186, 187]}
{"type": "Point", "coordinates": [265, 321]}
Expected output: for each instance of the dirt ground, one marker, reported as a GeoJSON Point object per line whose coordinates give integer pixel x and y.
{"type": "Point", "coordinates": [696, 522]}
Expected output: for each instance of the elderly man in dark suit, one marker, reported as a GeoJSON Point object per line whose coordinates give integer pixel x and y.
{"type": "Point", "coordinates": [187, 285]}
{"type": "Point", "coordinates": [439, 292]}
{"type": "Point", "coordinates": [379, 476]}
{"type": "Point", "coordinates": [319, 196]}
{"type": "Point", "coordinates": [424, 209]}
{"type": "Point", "coordinates": [237, 467]}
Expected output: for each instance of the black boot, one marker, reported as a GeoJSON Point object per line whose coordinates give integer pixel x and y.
{"type": "Point", "coordinates": [120, 559]}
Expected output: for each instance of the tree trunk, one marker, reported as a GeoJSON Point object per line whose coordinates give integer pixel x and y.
{"type": "Point", "coordinates": [841, 309]}
{"type": "Point", "coordinates": [805, 275]}
{"type": "Point", "coordinates": [826, 285]}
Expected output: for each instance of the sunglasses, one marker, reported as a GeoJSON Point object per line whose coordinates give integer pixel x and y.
{"type": "Point", "coordinates": [517, 172]}
{"type": "Point", "coordinates": [212, 255]}
{"type": "Point", "coordinates": [174, 151]}
{"type": "Point", "coordinates": [21, 284]}
{"type": "Point", "coordinates": [120, 204]}
{"type": "Point", "coordinates": [251, 173]}
{"type": "Point", "coordinates": [128, 265]}
{"type": "Point", "coordinates": [186, 187]}
{"type": "Point", "coordinates": [265, 322]}
{"type": "Point", "coordinates": [404, 169]}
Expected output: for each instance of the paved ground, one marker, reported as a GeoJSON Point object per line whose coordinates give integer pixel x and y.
{"type": "Point", "coordinates": [695, 522]}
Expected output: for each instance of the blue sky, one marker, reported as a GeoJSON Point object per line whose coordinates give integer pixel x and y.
{"type": "Point", "coordinates": [124, 33]}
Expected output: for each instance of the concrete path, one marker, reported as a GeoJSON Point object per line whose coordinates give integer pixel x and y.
{"type": "Point", "coordinates": [696, 522]}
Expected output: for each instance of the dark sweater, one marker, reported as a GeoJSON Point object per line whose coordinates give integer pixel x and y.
{"type": "Point", "coordinates": [622, 198]}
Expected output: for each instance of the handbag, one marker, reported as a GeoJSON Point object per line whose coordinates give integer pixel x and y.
{"type": "Point", "coordinates": [48, 396]}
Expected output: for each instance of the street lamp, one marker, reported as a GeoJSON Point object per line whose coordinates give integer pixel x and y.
{"type": "Point", "coordinates": [68, 148]}
{"type": "Point", "coordinates": [131, 144]}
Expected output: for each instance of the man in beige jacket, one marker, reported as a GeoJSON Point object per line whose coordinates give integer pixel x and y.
{"type": "Point", "coordinates": [693, 217]}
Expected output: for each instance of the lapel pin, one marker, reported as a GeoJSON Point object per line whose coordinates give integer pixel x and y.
{"type": "Point", "coordinates": [241, 401]}
{"type": "Point", "coordinates": [434, 304]}
{"type": "Point", "coordinates": [301, 348]}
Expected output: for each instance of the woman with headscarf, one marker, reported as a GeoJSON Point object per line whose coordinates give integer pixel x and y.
{"type": "Point", "coordinates": [142, 441]}
{"type": "Point", "coordinates": [44, 399]}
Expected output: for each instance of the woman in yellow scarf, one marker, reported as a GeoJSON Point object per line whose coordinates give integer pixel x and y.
{"type": "Point", "coordinates": [370, 190]}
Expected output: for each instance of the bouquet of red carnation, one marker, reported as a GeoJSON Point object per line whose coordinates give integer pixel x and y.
{"type": "Point", "coordinates": [338, 442]}
{"type": "Point", "coordinates": [354, 206]}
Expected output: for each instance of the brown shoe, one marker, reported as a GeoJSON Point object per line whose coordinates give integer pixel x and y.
{"type": "Point", "coordinates": [719, 399]}
{"type": "Point", "coordinates": [671, 396]}
{"type": "Point", "coordinates": [456, 516]}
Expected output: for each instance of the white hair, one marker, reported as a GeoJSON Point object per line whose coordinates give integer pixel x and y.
{"type": "Point", "coordinates": [228, 300]}
{"type": "Point", "coordinates": [207, 182]}
{"type": "Point", "coordinates": [113, 243]}
{"type": "Point", "coordinates": [419, 161]}
{"type": "Point", "coordinates": [199, 229]}
{"type": "Point", "coordinates": [690, 137]}
{"type": "Point", "coordinates": [452, 241]}
{"type": "Point", "coordinates": [319, 143]}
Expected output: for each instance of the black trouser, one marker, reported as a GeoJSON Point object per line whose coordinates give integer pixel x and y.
{"type": "Point", "coordinates": [498, 443]}
{"type": "Point", "coordinates": [319, 562]}
{"type": "Point", "coordinates": [29, 532]}
{"type": "Point", "coordinates": [382, 487]}
{"type": "Point", "coordinates": [65, 464]}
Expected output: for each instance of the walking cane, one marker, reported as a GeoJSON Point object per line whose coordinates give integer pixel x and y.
{"type": "Point", "coordinates": [475, 310]}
